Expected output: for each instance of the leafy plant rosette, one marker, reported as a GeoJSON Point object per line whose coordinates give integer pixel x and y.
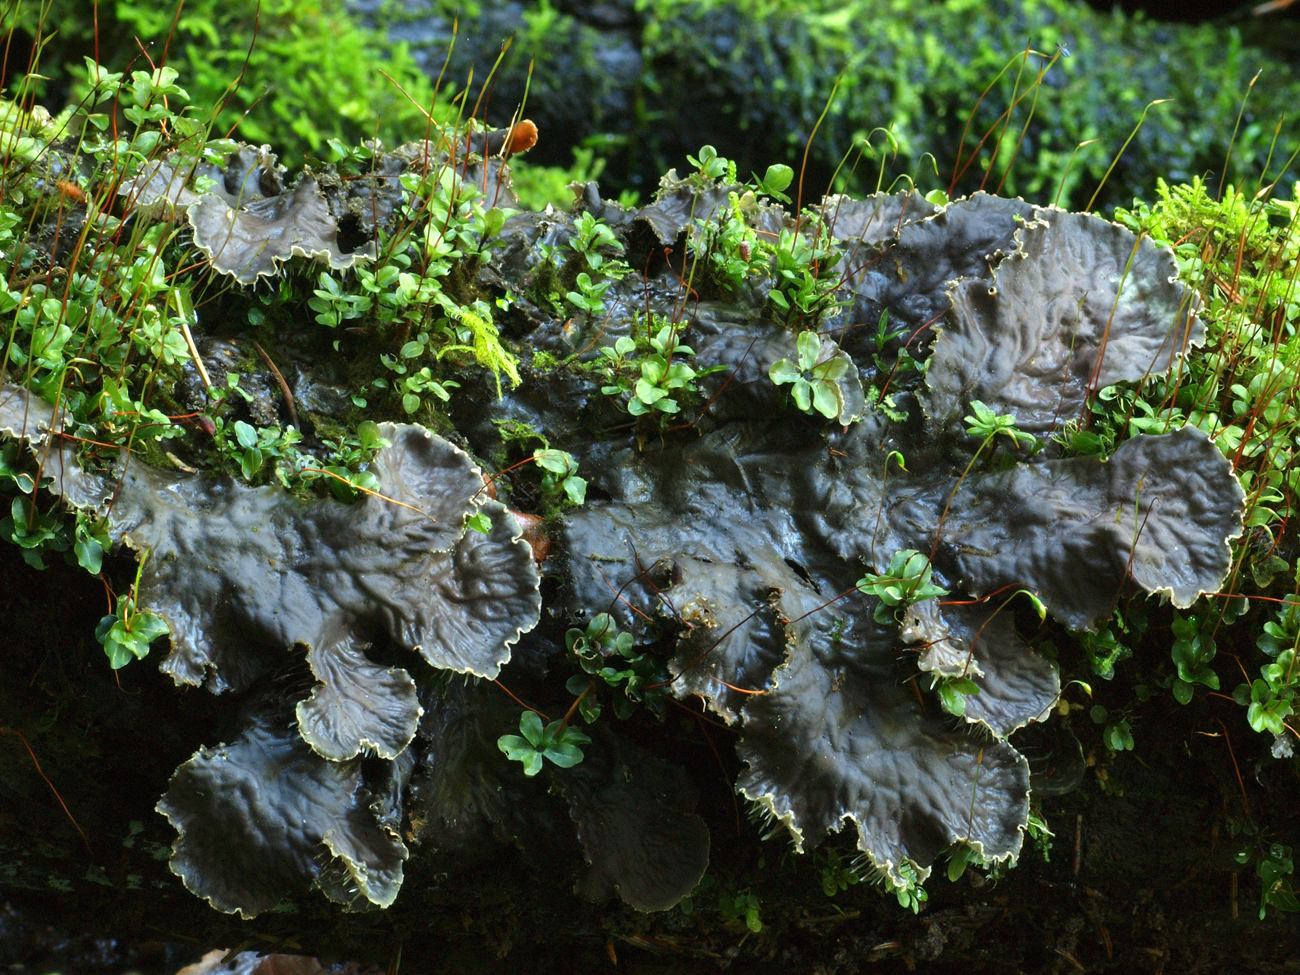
{"type": "Point", "coordinates": [556, 743]}
{"type": "Point", "coordinates": [814, 380]}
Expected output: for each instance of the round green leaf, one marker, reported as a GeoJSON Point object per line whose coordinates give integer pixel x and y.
{"type": "Point", "coordinates": [783, 371]}
{"type": "Point", "coordinates": [530, 724]}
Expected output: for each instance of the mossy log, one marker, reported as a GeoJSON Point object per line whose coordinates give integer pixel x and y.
{"type": "Point", "coordinates": [648, 83]}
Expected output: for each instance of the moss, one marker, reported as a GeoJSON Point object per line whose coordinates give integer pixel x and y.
{"type": "Point", "coordinates": [543, 362]}
{"type": "Point", "coordinates": [327, 427]}
{"type": "Point", "coordinates": [313, 75]}
{"type": "Point", "coordinates": [753, 76]}
{"type": "Point", "coordinates": [544, 287]}
{"type": "Point", "coordinates": [518, 432]}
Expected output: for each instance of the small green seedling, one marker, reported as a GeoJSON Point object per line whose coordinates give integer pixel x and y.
{"type": "Point", "coordinates": [1192, 651]}
{"type": "Point", "coordinates": [1272, 865]}
{"type": "Point", "coordinates": [32, 531]}
{"type": "Point", "coordinates": [742, 907]}
{"type": "Point", "coordinates": [815, 384]}
{"type": "Point", "coordinates": [987, 425]}
{"type": "Point", "coordinates": [661, 377]}
{"type": "Point", "coordinates": [709, 165]}
{"type": "Point", "coordinates": [655, 383]}
{"type": "Point", "coordinates": [557, 742]}
{"type": "Point", "coordinates": [910, 893]}
{"type": "Point", "coordinates": [1270, 699]}
{"type": "Point", "coordinates": [961, 858]}
{"type": "Point", "coordinates": [605, 652]}
{"type": "Point", "coordinates": [1104, 651]}
{"type": "Point", "coordinates": [590, 235]}
{"type": "Point", "coordinates": [561, 475]}
{"type": "Point", "coordinates": [1118, 733]}
{"type": "Point", "coordinates": [905, 581]}
{"type": "Point", "coordinates": [11, 469]}
{"type": "Point", "coordinates": [953, 692]}
{"type": "Point", "coordinates": [1279, 635]}
{"type": "Point", "coordinates": [837, 875]}
{"type": "Point", "coordinates": [802, 286]}
{"type": "Point", "coordinates": [127, 632]}
{"type": "Point", "coordinates": [590, 296]}
{"type": "Point", "coordinates": [92, 541]}
{"type": "Point", "coordinates": [777, 178]}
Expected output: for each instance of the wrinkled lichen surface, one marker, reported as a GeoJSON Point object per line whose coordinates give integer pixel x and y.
{"type": "Point", "coordinates": [729, 544]}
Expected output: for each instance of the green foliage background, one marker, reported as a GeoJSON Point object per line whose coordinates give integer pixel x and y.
{"type": "Point", "coordinates": [655, 79]}
{"type": "Point", "coordinates": [753, 76]}
{"type": "Point", "coordinates": [312, 75]}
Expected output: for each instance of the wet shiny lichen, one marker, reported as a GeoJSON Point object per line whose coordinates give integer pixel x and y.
{"type": "Point", "coordinates": [728, 542]}
{"type": "Point", "coordinates": [244, 577]}
{"type": "Point", "coordinates": [746, 541]}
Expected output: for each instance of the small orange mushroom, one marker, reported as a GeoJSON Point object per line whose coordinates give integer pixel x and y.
{"type": "Point", "coordinates": [523, 136]}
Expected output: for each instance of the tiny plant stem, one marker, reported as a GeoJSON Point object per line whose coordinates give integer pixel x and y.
{"type": "Point", "coordinates": [1005, 118]}
{"type": "Point", "coordinates": [618, 592]}
{"type": "Point", "coordinates": [46, 779]}
{"type": "Point", "coordinates": [884, 478]}
{"type": "Point", "coordinates": [573, 708]}
{"type": "Point", "coordinates": [1138, 529]}
{"type": "Point", "coordinates": [1094, 378]}
{"type": "Point", "coordinates": [721, 765]}
{"type": "Point", "coordinates": [133, 601]}
{"type": "Point", "coordinates": [835, 175]}
{"type": "Point", "coordinates": [1235, 129]}
{"type": "Point", "coordinates": [170, 34]}
{"type": "Point", "coordinates": [502, 473]}
{"type": "Point", "coordinates": [884, 157]}
{"type": "Point", "coordinates": [1115, 161]}
{"type": "Point", "coordinates": [982, 599]}
{"type": "Point", "coordinates": [644, 574]}
{"type": "Point", "coordinates": [1024, 130]}
{"type": "Point", "coordinates": [938, 531]}
{"type": "Point", "coordinates": [733, 687]}
{"type": "Point", "coordinates": [970, 652]}
{"type": "Point", "coordinates": [1235, 767]}
{"type": "Point", "coordinates": [709, 649]}
{"type": "Point", "coordinates": [803, 166]}
{"type": "Point", "coordinates": [979, 765]}
{"type": "Point", "coordinates": [198, 360]}
{"type": "Point", "coordinates": [284, 386]}
{"type": "Point", "coordinates": [1005, 115]}
{"type": "Point", "coordinates": [485, 91]}
{"type": "Point", "coordinates": [957, 169]}
{"type": "Point", "coordinates": [373, 494]}
{"type": "Point", "coordinates": [232, 87]}
{"type": "Point", "coordinates": [542, 714]}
